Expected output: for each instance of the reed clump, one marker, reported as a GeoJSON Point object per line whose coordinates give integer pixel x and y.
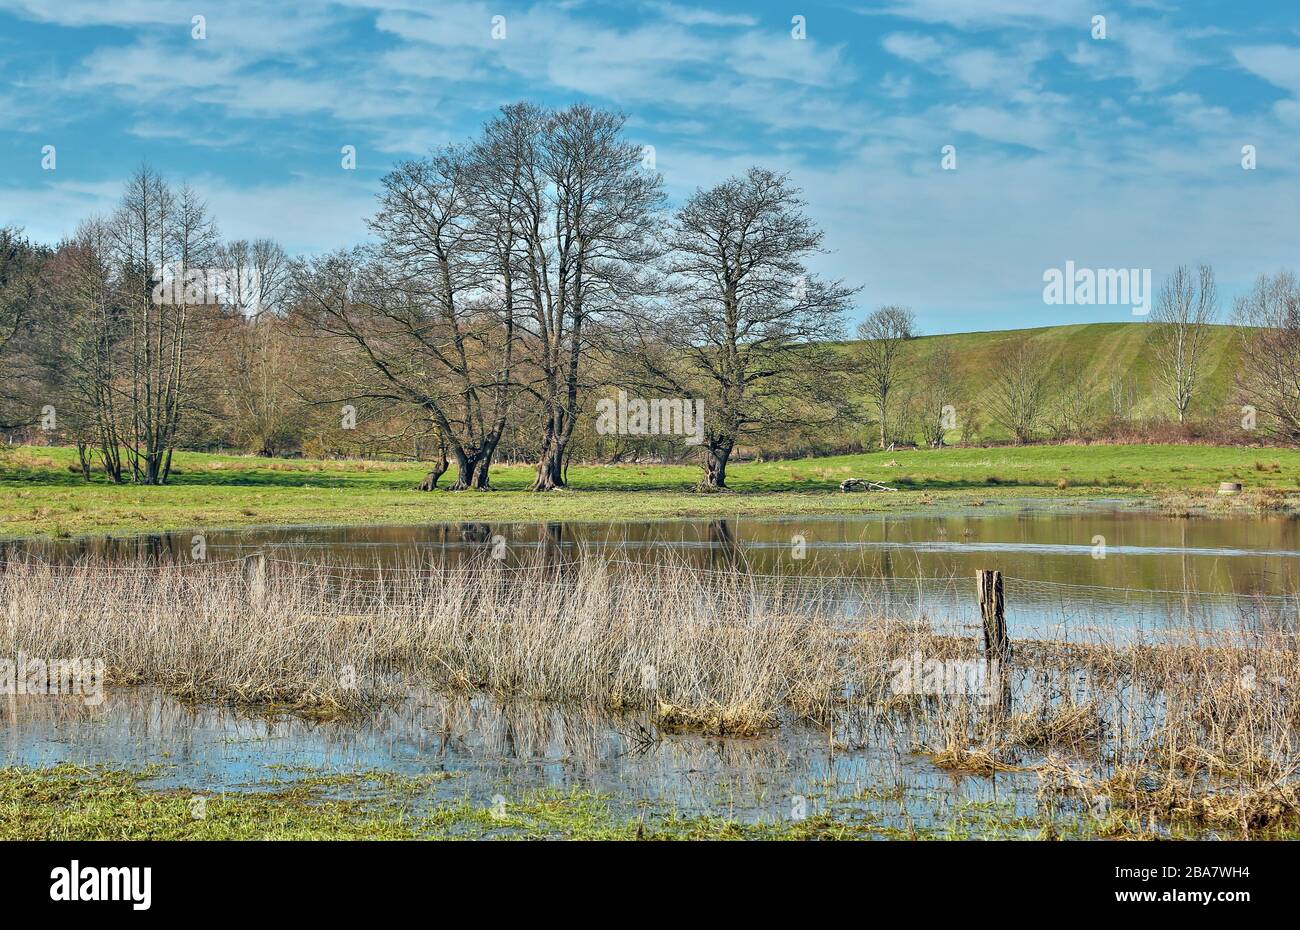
{"type": "Point", "coordinates": [321, 639]}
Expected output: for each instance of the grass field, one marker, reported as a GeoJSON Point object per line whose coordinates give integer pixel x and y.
{"type": "Point", "coordinates": [40, 493]}
{"type": "Point", "coordinates": [1086, 359]}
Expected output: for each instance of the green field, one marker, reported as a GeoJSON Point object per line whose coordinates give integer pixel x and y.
{"type": "Point", "coordinates": [40, 493]}
{"type": "Point", "coordinates": [1085, 358]}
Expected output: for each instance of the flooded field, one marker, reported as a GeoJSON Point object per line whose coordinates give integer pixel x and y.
{"type": "Point", "coordinates": [1107, 565]}
{"type": "Point", "coordinates": [487, 750]}
{"type": "Point", "coordinates": [743, 672]}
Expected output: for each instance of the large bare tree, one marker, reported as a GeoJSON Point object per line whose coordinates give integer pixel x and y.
{"type": "Point", "coordinates": [586, 213]}
{"type": "Point", "coordinates": [440, 233]}
{"type": "Point", "coordinates": [746, 324]}
{"type": "Point", "coordinates": [1268, 378]}
{"type": "Point", "coordinates": [410, 341]}
{"type": "Point", "coordinates": [1185, 310]}
{"type": "Point", "coordinates": [883, 336]}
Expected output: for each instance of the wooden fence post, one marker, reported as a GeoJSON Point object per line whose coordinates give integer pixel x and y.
{"type": "Point", "coordinates": [997, 645]}
{"type": "Point", "coordinates": [255, 577]}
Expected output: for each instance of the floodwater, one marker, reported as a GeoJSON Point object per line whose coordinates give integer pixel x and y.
{"type": "Point", "coordinates": [1110, 567]}
{"type": "Point", "coordinates": [1067, 569]}
{"type": "Point", "coordinates": [494, 749]}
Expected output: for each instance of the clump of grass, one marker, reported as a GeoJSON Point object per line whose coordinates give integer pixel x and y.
{"type": "Point", "coordinates": [1149, 797]}
{"type": "Point", "coordinates": [325, 642]}
{"type": "Point", "coordinates": [1063, 726]}
{"type": "Point", "coordinates": [1209, 501]}
{"type": "Point", "coordinates": [970, 761]}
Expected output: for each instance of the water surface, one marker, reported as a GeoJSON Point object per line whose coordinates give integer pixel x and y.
{"type": "Point", "coordinates": [1108, 567]}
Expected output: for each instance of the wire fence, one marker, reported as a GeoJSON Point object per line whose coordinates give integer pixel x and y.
{"type": "Point", "coordinates": [378, 572]}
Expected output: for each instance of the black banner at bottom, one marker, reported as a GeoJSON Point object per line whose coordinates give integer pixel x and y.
{"type": "Point", "coordinates": [143, 880]}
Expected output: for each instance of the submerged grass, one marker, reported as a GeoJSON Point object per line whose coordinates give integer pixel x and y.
{"type": "Point", "coordinates": [73, 803]}
{"type": "Point", "coordinates": [68, 802]}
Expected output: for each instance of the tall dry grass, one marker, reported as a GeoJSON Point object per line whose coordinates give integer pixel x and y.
{"type": "Point", "coordinates": [1190, 724]}
{"type": "Point", "coordinates": [324, 639]}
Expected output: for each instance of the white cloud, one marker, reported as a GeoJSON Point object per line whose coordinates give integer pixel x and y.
{"type": "Point", "coordinates": [912, 47]}
{"type": "Point", "coordinates": [691, 16]}
{"type": "Point", "coordinates": [1027, 128]}
{"type": "Point", "coordinates": [307, 214]}
{"type": "Point", "coordinates": [1156, 56]}
{"type": "Point", "coordinates": [1277, 64]}
{"type": "Point", "coordinates": [986, 69]}
{"type": "Point", "coordinates": [993, 13]}
{"type": "Point", "coordinates": [51, 211]}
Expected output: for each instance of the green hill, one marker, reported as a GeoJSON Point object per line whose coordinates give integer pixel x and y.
{"type": "Point", "coordinates": [1096, 359]}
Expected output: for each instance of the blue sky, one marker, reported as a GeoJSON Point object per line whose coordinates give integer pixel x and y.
{"type": "Point", "coordinates": [1117, 152]}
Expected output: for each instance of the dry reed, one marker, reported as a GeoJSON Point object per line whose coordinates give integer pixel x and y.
{"type": "Point", "coordinates": [1190, 725]}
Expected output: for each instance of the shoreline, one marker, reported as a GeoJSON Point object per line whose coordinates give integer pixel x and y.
{"type": "Point", "coordinates": [43, 498]}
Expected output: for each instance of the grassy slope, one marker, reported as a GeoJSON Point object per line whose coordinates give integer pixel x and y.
{"type": "Point", "coordinates": [1100, 351]}
{"type": "Point", "coordinates": [39, 493]}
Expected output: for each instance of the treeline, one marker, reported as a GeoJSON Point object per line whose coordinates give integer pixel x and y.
{"type": "Point", "coordinates": [509, 286]}
{"type": "Point", "coordinates": [509, 280]}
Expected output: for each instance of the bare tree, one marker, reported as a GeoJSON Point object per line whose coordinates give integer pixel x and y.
{"type": "Point", "coordinates": [394, 346]}
{"type": "Point", "coordinates": [883, 334]}
{"type": "Point", "coordinates": [1269, 377]}
{"type": "Point", "coordinates": [83, 347]}
{"type": "Point", "coordinates": [585, 217]}
{"type": "Point", "coordinates": [165, 243]}
{"type": "Point", "coordinates": [747, 322]}
{"type": "Point", "coordinates": [1070, 408]}
{"type": "Point", "coordinates": [19, 287]}
{"type": "Point", "coordinates": [259, 406]}
{"type": "Point", "coordinates": [256, 277]}
{"type": "Point", "coordinates": [1019, 389]}
{"type": "Point", "coordinates": [938, 396]}
{"type": "Point", "coordinates": [1123, 392]}
{"type": "Point", "coordinates": [1185, 310]}
{"type": "Point", "coordinates": [440, 234]}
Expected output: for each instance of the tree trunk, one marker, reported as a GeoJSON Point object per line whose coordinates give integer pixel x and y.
{"type": "Point", "coordinates": [471, 471]}
{"type": "Point", "coordinates": [715, 467]}
{"type": "Point", "coordinates": [439, 468]}
{"type": "Point", "coordinates": [550, 468]}
{"type": "Point", "coordinates": [84, 456]}
{"type": "Point", "coordinates": [479, 479]}
{"type": "Point", "coordinates": [550, 465]}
